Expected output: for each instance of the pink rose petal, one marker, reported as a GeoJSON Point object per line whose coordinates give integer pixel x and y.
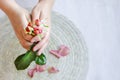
{"type": "Point", "coordinates": [55, 52]}
{"type": "Point", "coordinates": [62, 51]}
{"type": "Point", "coordinates": [37, 68]}
{"type": "Point", "coordinates": [53, 70]}
{"type": "Point", "coordinates": [40, 68]}
{"type": "Point", "coordinates": [31, 72]}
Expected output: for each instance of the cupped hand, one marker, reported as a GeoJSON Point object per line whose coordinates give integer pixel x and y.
{"type": "Point", "coordinates": [19, 20]}
{"type": "Point", "coordinates": [42, 11]}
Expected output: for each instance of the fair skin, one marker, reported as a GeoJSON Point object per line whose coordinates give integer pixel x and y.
{"type": "Point", "coordinates": [19, 18]}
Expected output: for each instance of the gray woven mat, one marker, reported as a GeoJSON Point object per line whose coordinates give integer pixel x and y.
{"type": "Point", "coordinates": [72, 67]}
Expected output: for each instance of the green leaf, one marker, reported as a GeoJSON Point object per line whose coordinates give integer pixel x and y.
{"type": "Point", "coordinates": [41, 60]}
{"type": "Point", "coordinates": [24, 60]}
{"type": "Point", "coordinates": [18, 59]}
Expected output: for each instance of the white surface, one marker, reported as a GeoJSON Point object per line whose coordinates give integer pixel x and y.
{"type": "Point", "coordinates": [99, 22]}
{"type": "Point", "coordinates": [59, 36]}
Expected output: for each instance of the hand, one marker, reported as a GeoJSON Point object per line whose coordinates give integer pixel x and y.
{"type": "Point", "coordinates": [19, 19]}
{"type": "Point", "coordinates": [42, 11]}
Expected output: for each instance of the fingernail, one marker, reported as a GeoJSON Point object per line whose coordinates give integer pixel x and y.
{"type": "Point", "coordinates": [34, 49]}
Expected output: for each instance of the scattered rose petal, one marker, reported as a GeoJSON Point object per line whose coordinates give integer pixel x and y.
{"type": "Point", "coordinates": [31, 72]}
{"type": "Point", "coordinates": [62, 51]}
{"type": "Point", "coordinates": [37, 68]}
{"type": "Point", "coordinates": [55, 52]}
{"type": "Point", "coordinates": [53, 70]}
{"type": "Point", "coordinates": [40, 68]}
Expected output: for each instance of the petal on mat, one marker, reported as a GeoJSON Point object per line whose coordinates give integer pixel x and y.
{"type": "Point", "coordinates": [55, 53]}
{"type": "Point", "coordinates": [40, 68]}
{"type": "Point", "coordinates": [37, 68]}
{"type": "Point", "coordinates": [31, 72]}
{"type": "Point", "coordinates": [53, 70]}
{"type": "Point", "coordinates": [62, 51]}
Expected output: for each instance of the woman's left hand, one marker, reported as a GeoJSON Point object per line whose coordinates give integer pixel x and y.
{"type": "Point", "coordinates": [42, 11]}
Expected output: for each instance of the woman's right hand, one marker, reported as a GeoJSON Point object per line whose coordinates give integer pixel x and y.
{"type": "Point", "coordinates": [19, 18]}
{"type": "Point", "coordinates": [19, 22]}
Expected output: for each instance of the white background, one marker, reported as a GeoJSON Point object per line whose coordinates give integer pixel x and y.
{"type": "Point", "coordinates": [99, 22]}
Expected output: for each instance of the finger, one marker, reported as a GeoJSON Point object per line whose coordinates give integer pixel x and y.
{"type": "Point", "coordinates": [35, 14]}
{"type": "Point", "coordinates": [45, 14]}
{"type": "Point", "coordinates": [41, 43]}
{"type": "Point", "coordinates": [35, 39]}
{"type": "Point", "coordinates": [28, 17]}
{"type": "Point", "coordinates": [47, 19]}
{"type": "Point", "coordinates": [27, 36]}
{"type": "Point", "coordinates": [38, 38]}
{"type": "Point", "coordinates": [25, 19]}
{"type": "Point", "coordinates": [43, 47]}
{"type": "Point", "coordinates": [25, 44]}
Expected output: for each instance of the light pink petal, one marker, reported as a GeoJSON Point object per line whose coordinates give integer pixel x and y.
{"type": "Point", "coordinates": [40, 68]}
{"type": "Point", "coordinates": [55, 52]}
{"type": "Point", "coordinates": [37, 68]}
{"type": "Point", "coordinates": [64, 50]}
{"type": "Point", "coordinates": [31, 72]}
{"type": "Point", "coordinates": [53, 70]}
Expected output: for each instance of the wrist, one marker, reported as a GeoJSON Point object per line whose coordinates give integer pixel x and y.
{"type": "Point", "coordinates": [9, 7]}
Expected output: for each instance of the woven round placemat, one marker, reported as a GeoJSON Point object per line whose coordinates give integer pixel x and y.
{"type": "Point", "coordinates": [72, 67]}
